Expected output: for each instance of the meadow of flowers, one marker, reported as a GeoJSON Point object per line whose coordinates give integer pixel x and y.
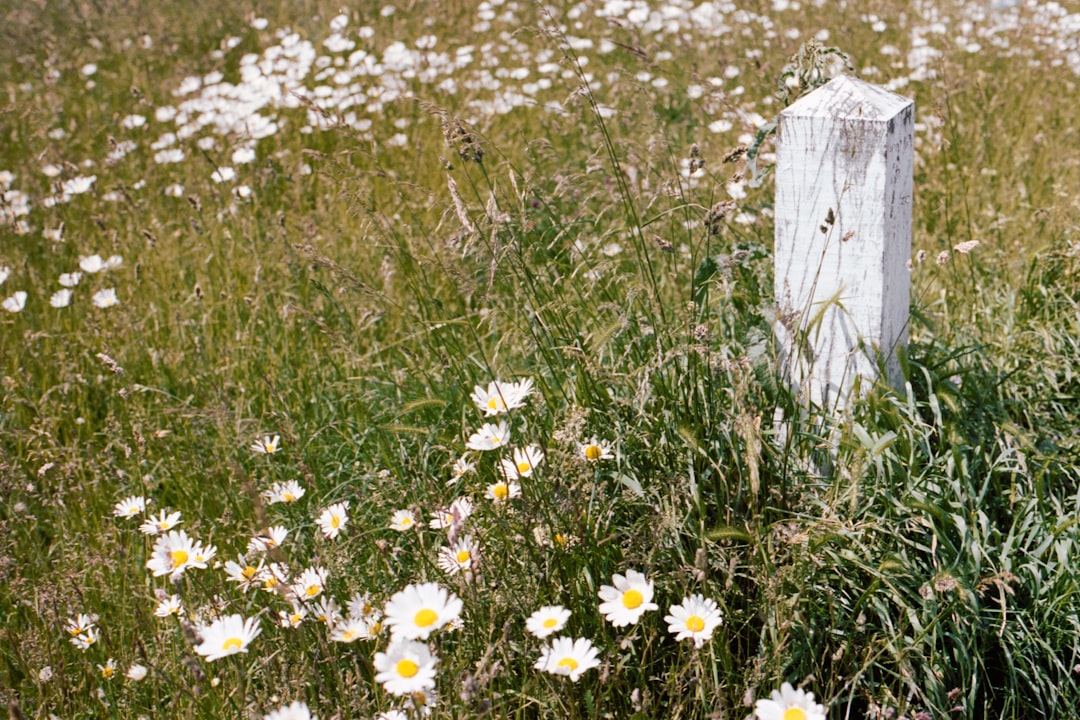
{"type": "Point", "coordinates": [415, 360]}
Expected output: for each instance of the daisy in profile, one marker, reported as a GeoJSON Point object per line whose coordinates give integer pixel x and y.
{"type": "Point", "coordinates": [568, 657]}
{"type": "Point", "coordinates": [406, 667]}
{"type": "Point", "coordinates": [333, 519]}
{"type": "Point", "coordinates": [787, 703]}
{"type": "Point", "coordinates": [500, 397]}
{"type": "Point", "coordinates": [548, 620]}
{"type": "Point", "coordinates": [360, 606]}
{"type": "Point", "coordinates": [350, 630]}
{"type": "Point", "coordinates": [91, 264]}
{"type": "Point", "coordinates": [136, 672]}
{"type": "Point", "coordinates": [695, 619]}
{"type": "Point", "coordinates": [284, 492]}
{"type": "Point", "coordinates": [130, 507]}
{"type": "Point", "coordinates": [452, 516]}
{"type": "Point", "coordinates": [169, 605]}
{"type": "Point", "coordinates": [459, 556]}
{"type": "Point", "coordinates": [268, 540]}
{"type": "Point", "coordinates": [462, 466]}
{"type": "Point", "coordinates": [105, 298]}
{"type": "Point", "coordinates": [87, 639]}
{"type": "Point", "coordinates": [163, 522]}
{"type": "Point", "coordinates": [16, 302]}
{"type": "Point", "coordinates": [593, 450]}
{"type": "Point", "coordinates": [416, 611]}
{"type": "Point", "coordinates": [293, 711]}
{"type": "Point", "coordinates": [403, 520]}
{"type": "Point", "coordinates": [266, 445]}
{"type": "Point", "coordinates": [61, 298]}
{"type": "Point", "coordinates": [523, 463]}
{"type": "Point", "coordinates": [503, 491]}
{"type": "Point", "coordinates": [79, 624]}
{"type": "Point", "coordinates": [227, 636]}
{"type": "Point", "coordinates": [70, 280]}
{"type": "Point", "coordinates": [489, 437]}
{"type": "Point", "coordinates": [561, 540]}
{"type": "Point", "coordinates": [628, 600]}
{"type": "Point", "coordinates": [310, 584]}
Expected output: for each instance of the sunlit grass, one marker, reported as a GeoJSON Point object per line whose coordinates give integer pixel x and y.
{"type": "Point", "coordinates": [912, 558]}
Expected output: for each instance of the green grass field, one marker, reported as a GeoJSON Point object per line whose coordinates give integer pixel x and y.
{"type": "Point", "coordinates": [334, 227]}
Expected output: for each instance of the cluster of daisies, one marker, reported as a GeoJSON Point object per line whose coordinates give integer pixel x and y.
{"type": "Point", "coordinates": [88, 265]}
{"type": "Point", "coordinates": [407, 628]}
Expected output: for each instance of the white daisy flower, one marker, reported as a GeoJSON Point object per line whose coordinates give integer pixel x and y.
{"type": "Point", "coordinates": [86, 639]}
{"type": "Point", "coordinates": [628, 600]}
{"type": "Point", "coordinates": [130, 507]}
{"type": "Point", "coordinates": [108, 669]}
{"type": "Point", "coordinates": [459, 556]}
{"type": "Point", "coordinates": [501, 397]}
{"type": "Point", "coordinates": [244, 574]}
{"type": "Point", "coordinates": [593, 450]}
{"type": "Point", "coordinates": [403, 520]}
{"type": "Point", "coordinates": [489, 437]}
{"type": "Point", "coordinates": [294, 711]}
{"type": "Point", "coordinates": [503, 491]}
{"type": "Point", "coordinates": [61, 298]}
{"type": "Point", "coordinates": [462, 467]}
{"type": "Point", "coordinates": [15, 303]}
{"type": "Point", "coordinates": [161, 523]}
{"type": "Point", "coordinates": [70, 280]}
{"type": "Point", "coordinates": [524, 462]}
{"type": "Point", "coordinates": [417, 611]}
{"type": "Point", "coordinates": [169, 605]}
{"type": "Point", "coordinates": [266, 446]}
{"type": "Point", "coordinates": [353, 628]}
{"type": "Point", "coordinates": [326, 611]}
{"type": "Point", "coordinates": [286, 492]}
{"type": "Point", "coordinates": [568, 657]}
{"type": "Point", "coordinates": [333, 519]}
{"type": "Point", "coordinates": [787, 703]}
{"type": "Point", "coordinates": [80, 623]}
{"type": "Point", "coordinates": [136, 672]}
{"type": "Point", "coordinates": [268, 540]}
{"type": "Point", "coordinates": [406, 667]}
{"type": "Point", "coordinates": [310, 584]}
{"type": "Point", "coordinates": [294, 617]}
{"type": "Point", "coordinates": [695, 619]}
{"type": "Point", "coordinates": [452, 516]}
{"type": "Point", "coordinates": [172, 554]}
{"type": "Point", "coordinates": [227, 636]}
{"type": "Point", "coordinates": [5, 272]}
{"type": "Point", "coordinates": [105, 298]}
{"type": "Point", "coordinates": [548, 620]}
{"type": "Point", "coordinates": [91, 264]}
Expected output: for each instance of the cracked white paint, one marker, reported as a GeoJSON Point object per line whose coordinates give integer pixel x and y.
{"type": "Point", "coordinates": [844, 168]}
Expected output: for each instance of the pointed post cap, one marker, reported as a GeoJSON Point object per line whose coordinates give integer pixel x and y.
{"type": "Point", "coordinates": [850, 98]}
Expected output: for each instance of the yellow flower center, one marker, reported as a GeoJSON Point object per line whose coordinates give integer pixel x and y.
{"type": "Point", "coordinates": [406, 521]}
{"type": "Point", "coordinates": [524, 467]}
{"type": "Point", "coordinates": [107, 672]}
{"type": "Point", "coordinates": [550, 623]}
{"type": "Point", "coordinates": [407, 668]}
{"type": "Point", "coordinates": [463, 556]}
{"type": "Point", "coordinates": [248, 572]}
{"type": "Point", "coordinates": [288, 497]}
{"type": "Point", "coordinates": [496, 440]}
{"type": "Point", "coordinates": [562, 540]}
{"type": "Point", "coordinates": [296, 618]}
{"type": "Point", "coordinates": [335, 521]}
{"type": "Point", "coordinates": [348, 635]}
{"type": "Point", "coordinates": [593, 452]}
{"type": "Point", "coordinates": [569, 662]}
{"type": "Point", "coordinates": [494, 403]}
{"type": "Point", "coordinates": [500, 491]}
{"type": "Point", "coordinates": [233, 643]}
{"type": "Point", "coordinates": [313, 590]}
{"type": "Point", "coordinates": [179, 557]}
{"type": "Point", "coordinates": [425, 618]}
{"type": "Point", "coordinates": [271, 582]}
{"type": "Point", "coordinates": [632, 599]}
{"type": "Point", "coordinates": [695, 624]}
{"type": "Point", "coordinates": [794, 713]}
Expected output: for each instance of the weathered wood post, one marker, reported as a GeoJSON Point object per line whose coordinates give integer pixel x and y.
{"type": "Point", "coordinates": [844, 173]}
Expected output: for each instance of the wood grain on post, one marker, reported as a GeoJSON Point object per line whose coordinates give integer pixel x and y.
{"type": "Point", "coordinates": [844, 166]}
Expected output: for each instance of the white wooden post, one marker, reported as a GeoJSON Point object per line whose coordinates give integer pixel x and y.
{"type": "Point", "coordinates": [844, 167]}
